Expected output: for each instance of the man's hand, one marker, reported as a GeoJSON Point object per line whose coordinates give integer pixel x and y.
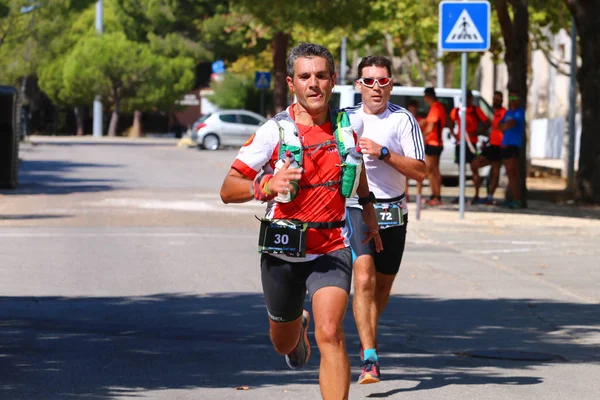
{"type": "Point", "coordinates": [280, 183]}
{"type": "Point", "coordinates": [370, 219]}
{"type": "Point", "coordinates": [370, 147]}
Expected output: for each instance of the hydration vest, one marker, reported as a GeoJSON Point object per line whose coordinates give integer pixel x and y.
{"type": "Point", "coordinates": [343, 140]}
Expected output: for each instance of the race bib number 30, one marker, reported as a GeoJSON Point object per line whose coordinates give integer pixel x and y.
{"type": "Point", "coordinates": [282, 237]}
{"type": "Point", "coordinates": [389, 214]}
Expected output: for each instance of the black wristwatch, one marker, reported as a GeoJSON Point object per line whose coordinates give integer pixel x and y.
{"type": "Point", "coordinates": [384, 153]}
{"type": "Point", "coordinates": [366, 200]}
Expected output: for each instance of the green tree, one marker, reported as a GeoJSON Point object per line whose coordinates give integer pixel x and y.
{"type": "Point", "coordinates": [231, 92]}
{"type": "Point", "coordinates": [278, 19]}
{"type": "Point", "coordinates": [128, 74]}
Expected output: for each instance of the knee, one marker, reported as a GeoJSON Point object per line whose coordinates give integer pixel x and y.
{"type": "Point", "coordinates": [329, 333]}
{"type": "Point", "coordinates": [364, 280]}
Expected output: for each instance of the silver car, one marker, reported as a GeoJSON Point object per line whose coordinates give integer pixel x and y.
{"type": "Point", "coordinates": [225, 128]}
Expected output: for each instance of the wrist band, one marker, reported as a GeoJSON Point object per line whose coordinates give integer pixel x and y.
{"type": "Point", "coordinates": [261, 188]}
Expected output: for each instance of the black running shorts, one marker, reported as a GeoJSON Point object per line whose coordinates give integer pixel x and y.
{"type": "Point", "coordinates": [492, 153]}
{"type": "Point", "coordinates": [433, 150]}
{"type": "Point", "coordinates": [469, 156]}
{"type": "Point", "coordinates": [511, 152]}
{"type": "Point", "coordinates": [388, 260]}
{"type": "Point", "coordinates": [285, 283]}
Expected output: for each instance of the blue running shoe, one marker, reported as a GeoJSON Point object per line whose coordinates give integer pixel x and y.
{"type": "Point", "coordinates": [301, 353]}
{"type": "Point", "coordinates": [369, 372]}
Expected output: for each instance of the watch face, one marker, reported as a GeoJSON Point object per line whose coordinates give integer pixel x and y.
{"type": "Point", "coordinates": [384, 153]}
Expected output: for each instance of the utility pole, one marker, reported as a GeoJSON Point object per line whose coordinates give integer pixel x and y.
{"type": "Point", "coordinates": [343, 62]}
{"type": "Point", "coordinates": [98, 99]}
{"type": "Point", "coordinates": [440, 66]}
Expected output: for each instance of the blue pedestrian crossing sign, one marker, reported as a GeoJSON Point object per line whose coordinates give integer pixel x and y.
{"type": "Point", "coordinates": [262, 80]}
{"type": "Point", "coordinates": [464, 26]}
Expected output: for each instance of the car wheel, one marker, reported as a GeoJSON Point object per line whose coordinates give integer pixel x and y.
{"type": "Point", "coordinates": [211, 142]}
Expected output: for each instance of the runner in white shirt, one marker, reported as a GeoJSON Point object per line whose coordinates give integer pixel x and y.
{"type": "Point", "coordinates": [392, 145]}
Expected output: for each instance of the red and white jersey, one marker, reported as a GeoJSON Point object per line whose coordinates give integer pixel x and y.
{"type": "Point", "coordinates": [312, 204]}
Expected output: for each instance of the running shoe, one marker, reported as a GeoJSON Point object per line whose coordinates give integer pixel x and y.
{"type": "Point", "coordinates": [475, 200]}
{"type": "Point", "coordinates": [488, 201]}
{"type": "Point", "coordinates": [369, 372]}
{"type": "Point", "coordinates": [516, 204]}
{"type": "Point", "coordinates": [301, 353]}
{"type": "Point", "coordinates": [434, 202]}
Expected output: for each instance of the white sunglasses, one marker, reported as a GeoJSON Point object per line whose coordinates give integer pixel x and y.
{"type": "Point", "coordinates": [370, 82]}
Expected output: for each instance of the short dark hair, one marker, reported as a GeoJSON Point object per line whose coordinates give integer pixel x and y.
{"type": "Point", "coordinates": [469, 93]}
{"type": "Point", "coordinates": [430, 92]}
{"type": "Point", "coordinates": [377, 61]}
{"type": "Point", "coordinates": [309, 50]}
{"type": "Point", "coordinates": [413, 103]}
{"type": "Point", "coordinates": [499, 93]}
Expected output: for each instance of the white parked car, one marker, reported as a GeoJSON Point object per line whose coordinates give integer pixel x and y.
{"type": "Point", "coordinates": [225, 128]}
{"type": "Point", "coordinates": [346, 96]}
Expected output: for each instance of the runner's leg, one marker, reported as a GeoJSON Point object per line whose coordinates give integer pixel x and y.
{"type": "Point", "coordinates": [479, 162]}
{"type": "Point", "coordinates": [512, 171]}
{"type": "Point", "coordinates": [284, 294]}
{"type": "Point", "coordinates": [495, 177]}
{"type": "Point", "coordinates": [363, 305]}
{"type": "Point", "coordinates": [329, 307]}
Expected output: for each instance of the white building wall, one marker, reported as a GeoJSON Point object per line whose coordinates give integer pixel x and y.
{"type": "Point", "coordinates": [548, 97]}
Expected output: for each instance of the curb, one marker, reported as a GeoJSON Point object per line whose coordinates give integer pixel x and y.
{"type": "Point", "coordinates": [186, 142]}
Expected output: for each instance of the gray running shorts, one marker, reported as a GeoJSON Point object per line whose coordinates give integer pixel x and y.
{"type": "Point", "coordinates": [387, 261]}
{"type": "Point", "coordinates": [285, 283]}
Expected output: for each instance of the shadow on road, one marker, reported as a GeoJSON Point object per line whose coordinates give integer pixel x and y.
{"type": "Point", "coordinates": [61, 347]}
{"type": "Point", "coordinates": [89, 141]}
{"type": "Point", "coordinates": [20, 217]}
{"type": "Point", "coordinates": [535, 207]}
{"type": "Point", "coordinates": [50, 177]}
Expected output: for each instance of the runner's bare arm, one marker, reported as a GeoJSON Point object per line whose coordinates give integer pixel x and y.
{"type": "Point", "coordinates": [236, 188]}
{"type": "Point", "coordinates": [427, 127]}
{"type": "Point", "coordinates": [368, 213]}
{"type": "Point", "coordinates": [407, 166]}
{"type": "Point", "coordinates": [507, 125]}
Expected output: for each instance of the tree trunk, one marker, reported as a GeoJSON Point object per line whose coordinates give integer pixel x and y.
{"type": "Point", "coordinates": [448, 74]}
{"type": "Point", "coordinates": [515, 33]}
{"type": "Point", "coordinates": [136, 129]}
{"type": "Point", "coordinates": [79, 120]}
{"type": "Point", "coordinates": [114, 119]}
{"type": "Point", "coordinates": [21, 121]}
{"type": "Point", "coordinates": [280, 47]}
{"type": "Point", "coordinates": [586, 16]}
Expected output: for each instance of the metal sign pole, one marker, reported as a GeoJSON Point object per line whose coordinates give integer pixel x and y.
{"type": "Point", "coordinates": [262, 102]}
{"type": "Point", "coordinates": [97, 123]}
{"type": "Point", "coordinates": [464, 27]}
{"type": "Point", "coordinates": [463, 133]}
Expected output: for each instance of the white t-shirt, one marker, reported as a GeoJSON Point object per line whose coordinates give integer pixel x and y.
{"type": "Point", "coordinates": [396, 129]}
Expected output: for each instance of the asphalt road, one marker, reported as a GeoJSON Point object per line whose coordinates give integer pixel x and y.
{"type": "Point", "coordinates": [123, 276]}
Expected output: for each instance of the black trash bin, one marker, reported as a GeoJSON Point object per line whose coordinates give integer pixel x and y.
{"type": "Point", "coordinates": [9, 138]}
